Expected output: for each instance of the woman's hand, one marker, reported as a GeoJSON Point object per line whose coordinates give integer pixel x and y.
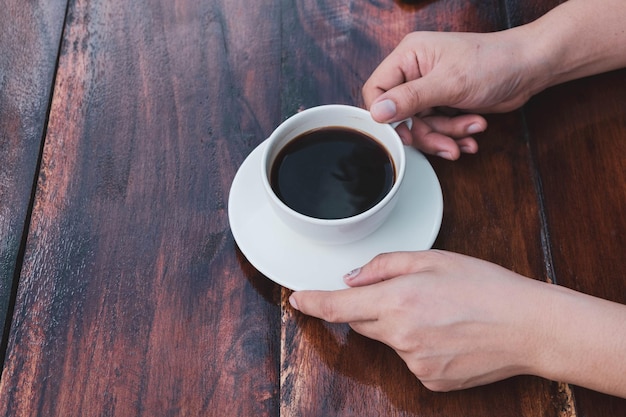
{"type": "Point", "coordinates": [459, 322]}
{"type": "Point", "coordinates": [443, 79]}
{"type": "Point", "coordinates": [490, 72]}
{"type": "Point", "coordinates": [455, 320]}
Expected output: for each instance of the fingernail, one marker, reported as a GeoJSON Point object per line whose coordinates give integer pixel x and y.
{"type": "Point", "coordinates": [445, 155]}
{"type": "Point", "coordinates": [383, 110]}
{"type": "Point", "coordinates": [352, 274]}
{"type": "Point", "coordinates": [467, 149]}
{"type": "Point", "coordinates": [292, 301]}
{"type": "Point", "coordinates": [474, 128]}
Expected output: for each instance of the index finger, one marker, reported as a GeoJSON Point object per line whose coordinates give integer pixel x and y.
{"type": "Point", "coordinates": [340, 306]}
{"type": "Point", "coordinates": [396, 69]}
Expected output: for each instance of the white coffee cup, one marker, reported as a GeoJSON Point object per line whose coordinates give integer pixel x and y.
{"type": "Point", "coordinates": [342, 230]}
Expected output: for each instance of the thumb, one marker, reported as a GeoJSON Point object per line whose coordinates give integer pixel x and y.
{"type": "Point", "coordinates": [409, 98]}
{"type": "Point", "coordinates": [340, 306]}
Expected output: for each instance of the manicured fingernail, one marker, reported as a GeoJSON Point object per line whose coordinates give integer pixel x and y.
{"type": "Point", "coordinates": [445, 155]}
{"type": "Point", "coordinates": [352, 274]}
{"type": "Point", "coordinates": [474, 128]}
{"type": "Point", "coordinates": [292, 301]}
{"type": "Point", "coordinates": [383, 110]}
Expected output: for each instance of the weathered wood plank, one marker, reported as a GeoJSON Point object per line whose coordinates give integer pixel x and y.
{"type": "Point", "coordinates": [29, 45]}
{"type": "Point", "coordinates": [578, 133]}
{"type": "Point", "coordinates": [133, 299]}
{"type": "Point", "coordinates": [330, 370]}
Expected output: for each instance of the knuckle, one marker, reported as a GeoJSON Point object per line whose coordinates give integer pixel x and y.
{"type": "Point", "coordinates": [422, 369]}
{"type": "Point", "coordinates": [328, 311]}
{"type": "Point", "coordinates": [380, 264]}
{"type": "Point", "coordinates": [435, 257]}
{"type": "Point", "coordinates": [401, 341]}
{"type": "Point", "coordinates": [437, 385]}
{"type": "Point", "coordinates": [412, 96]}
{"type": "Point", "coordinates": [433, 374]}
{"type": "Point", "coordinates": [400, 344]}
{"type": "Point", "coordinates": [413, 38]}
{"type": "Point", "coordinates": [430, 376]}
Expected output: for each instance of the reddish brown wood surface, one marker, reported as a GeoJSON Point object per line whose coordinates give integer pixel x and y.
{"type": "Point", "coordinates": [579, 146]}
{"type": "Point", "coordinates": [133, 298]}
{"type": "Point", "coordinates": [329, 370]}
{"type": "Point", "coordinates": [29, 44]}
{"type": "Point", "coordinates": [577, 133]}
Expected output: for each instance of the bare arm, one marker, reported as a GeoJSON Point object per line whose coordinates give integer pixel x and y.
{"type": "Point", "coordinates": [586, 345]}
{"type": "Point", "coordinates": [491, 72]}
{"type": "Point", "coordinates": [581, 38]}
{"type": "Point", "coordinates": [459, 322]}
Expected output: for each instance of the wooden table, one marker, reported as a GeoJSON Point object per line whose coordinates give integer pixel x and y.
{"type": "Point", "coordinates": [122, 124]}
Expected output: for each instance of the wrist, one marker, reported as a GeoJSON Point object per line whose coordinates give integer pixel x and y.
{"type": "Point", "coordinates": [576, 39]}
{"type": "Point", "coordinates": [537, 55]}
{"type": "Point", "coordinates": [582, 341]}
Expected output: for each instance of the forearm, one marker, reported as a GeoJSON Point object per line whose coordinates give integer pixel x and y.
{"type": "Point", "coordinates": [576, 39]}
{"type": "Point", "coordinates": [585, 342]}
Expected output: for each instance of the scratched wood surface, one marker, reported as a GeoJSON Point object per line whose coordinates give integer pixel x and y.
{"type": "Point", "coordinates": [330, 370]}
{"type": "Point", "coordinates": [133, 298]}
{"type": "Point", "coordinates": [577, 132]}
{"type": "Point", "coordinates": [29, 43]}
{"type": "Point", "coordinates": [579, 147]}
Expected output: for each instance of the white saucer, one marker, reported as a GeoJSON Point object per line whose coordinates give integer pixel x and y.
{"type": "Point", "coordinates": [298, 263]}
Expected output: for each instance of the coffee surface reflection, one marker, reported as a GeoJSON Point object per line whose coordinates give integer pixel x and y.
{"type": "Point", "coordinates": [332, 173]}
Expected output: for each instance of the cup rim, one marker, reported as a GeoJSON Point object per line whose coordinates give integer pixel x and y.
{"type": "Point", "coordinates": [400, 166]}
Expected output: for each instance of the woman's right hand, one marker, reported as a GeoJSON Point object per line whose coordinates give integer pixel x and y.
{"type": "Point", "coordinates": [443, 80]}
{"type": "Point", "coordinates": [475, 73]}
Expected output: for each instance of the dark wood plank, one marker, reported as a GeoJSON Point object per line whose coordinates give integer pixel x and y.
{"type": "Point", "coordinates": [578, 133]}
{"type": "Point", "coordinates": [330, 370]}
{"type": "Point", "coordinates": [578, 137]}
{"type": "Point", "coordinates": [133, 298]}
{"type": "Point", "coordinates": [520, 12]}
{"type": "Point", "coordinates": [29, 44]}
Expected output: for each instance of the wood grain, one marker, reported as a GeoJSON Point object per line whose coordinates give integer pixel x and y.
{"type": "Point", "coordinates": [578, 133]}
{"type": "Point", "coordinates": [133, 298]}
{"type": "Point", "coordinates": [29, 41]}
{"type": "Point", "coordinates": [330, 370]}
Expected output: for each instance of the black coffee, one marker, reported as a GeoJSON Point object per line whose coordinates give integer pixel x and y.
{"type": "Point", "coordinates": [332, 173]}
